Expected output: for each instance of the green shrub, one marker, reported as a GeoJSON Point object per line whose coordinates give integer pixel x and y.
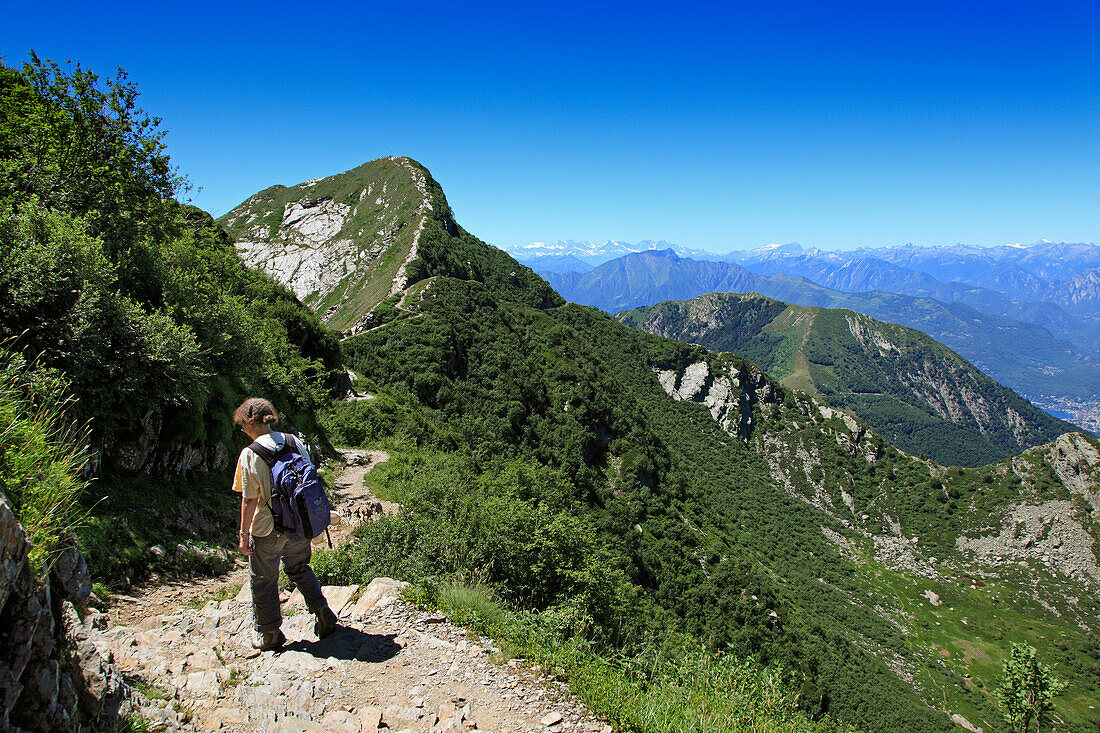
{"type": "Point", "coordinates": [382, 422]}
{"type": "Point", "coordinates": [141, 302]}
{"type": "Point", "coordinates": [673, 687]}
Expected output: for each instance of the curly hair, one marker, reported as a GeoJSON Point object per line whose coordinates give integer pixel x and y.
{"type": "Point", "coordinates": [256, 410]}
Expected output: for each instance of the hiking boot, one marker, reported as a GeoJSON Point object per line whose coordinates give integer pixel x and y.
{"type": "Point", "coordinates": [267, 640]}
{"type": "Point", "coordinates": [326, 623]}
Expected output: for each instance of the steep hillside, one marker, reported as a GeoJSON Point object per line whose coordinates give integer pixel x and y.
{"type": "Point", "coordinates": [690, 470]}
{"type": "Point", "coordinates": [632, 493]}
{"type": "Point", "coordinates": [922, 396]}
{"type": "Point", "coordinates": [1023, 356]}
{"type": "Point", "coordinates": [347, 242]}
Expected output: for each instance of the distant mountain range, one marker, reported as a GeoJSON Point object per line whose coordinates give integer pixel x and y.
{"type": "Point", "coordinates": [1055, 285]}
{"type": "Point", "coordinates": [573, 253]}
{"type": "Point", "coordinates": [1023, 355]}
{"type": "Point", "coordinates": [1057, 282]}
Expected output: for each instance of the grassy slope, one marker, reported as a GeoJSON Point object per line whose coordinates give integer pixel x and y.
{"type": "Point", "coordinates": [814, 350]}
{"type": "Point", "coordinates": [1024, 356]}
{"type": "Point", "coordinates": [362, 289]}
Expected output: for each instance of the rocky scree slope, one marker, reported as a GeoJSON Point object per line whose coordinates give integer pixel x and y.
{"type": "Point", "coordinates": [919, 394]}
{"type": "Point", "coordinates": [349, 242]}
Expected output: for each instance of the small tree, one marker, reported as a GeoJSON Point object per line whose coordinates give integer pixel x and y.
{"type": "Point", "coordinates": [1027, 690]}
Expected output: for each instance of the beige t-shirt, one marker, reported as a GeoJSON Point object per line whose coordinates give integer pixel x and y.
{"type": "Point", "coordinates": [252, 479]}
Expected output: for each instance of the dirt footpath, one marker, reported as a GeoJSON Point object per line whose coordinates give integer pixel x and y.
{"type": "Point", "coordinates": [389, 665]}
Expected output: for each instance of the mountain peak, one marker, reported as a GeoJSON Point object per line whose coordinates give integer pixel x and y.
{"type": "Point", "coordinates": [347, 242]}
{"type": "Point", "coordinates": [342, 242]}
{"type": "Point", "coordinates": [791, 248]}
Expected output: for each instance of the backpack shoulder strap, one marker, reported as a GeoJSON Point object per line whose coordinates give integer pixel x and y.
{"type": "Point", "coordinates": [295, 444]}
{"type": "Point", "coordinates": [269, 456]}
{"type": "Point", "coordinates": [263, 452]}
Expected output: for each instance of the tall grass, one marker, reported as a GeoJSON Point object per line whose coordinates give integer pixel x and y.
{"type": "Point", "coordinates": [679, 687]}
{"type": "Point", "coordinates": [42, 454]}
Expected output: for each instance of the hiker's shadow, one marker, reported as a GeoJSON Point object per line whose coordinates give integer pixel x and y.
{"type": "Point", "coordinates": [350, 643]}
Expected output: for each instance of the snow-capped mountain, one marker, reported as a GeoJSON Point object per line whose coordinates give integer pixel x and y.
{"type": "Point", "coordinates": [596, 253]}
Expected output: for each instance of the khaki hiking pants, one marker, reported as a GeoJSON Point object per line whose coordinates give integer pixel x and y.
{"type": "Point", "coordinates": [263, 575]}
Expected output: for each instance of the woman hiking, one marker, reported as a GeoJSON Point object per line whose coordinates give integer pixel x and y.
{"type": "Point", "coordinates": [261, 542]}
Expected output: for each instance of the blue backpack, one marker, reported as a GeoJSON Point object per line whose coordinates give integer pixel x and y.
{"type": "Point", "coordinates": [298, 500]}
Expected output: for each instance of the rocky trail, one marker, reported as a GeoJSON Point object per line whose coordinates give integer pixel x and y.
{"type": "Point", "coordinates": [389, 665]}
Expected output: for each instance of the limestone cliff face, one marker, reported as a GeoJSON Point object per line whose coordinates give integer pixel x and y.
{"type": "Point", "coordinates": [342, 243]}
{"type": "Point", "coordinates": [729, 392]}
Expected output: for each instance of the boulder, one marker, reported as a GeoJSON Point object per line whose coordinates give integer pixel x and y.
{"type": "Point", "coordinates": [960, 720]}
{"type": "Point", "coordinates": [380, 593]}
{"type": "Point", "coordinates": [70, 576]}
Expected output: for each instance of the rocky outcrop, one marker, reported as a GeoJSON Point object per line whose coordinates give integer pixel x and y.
{"type": "Point", "coordinates": [149, 452]}
{"type": "Point", "coordinates": [729, 393]}
{"type": "Point", "coordinates": [52, 679]}
{"type": "Point", "coordinates": [342, 243]}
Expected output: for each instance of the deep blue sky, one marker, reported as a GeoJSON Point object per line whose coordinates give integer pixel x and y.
{"type": "Point", "coordinates": [720, 126]}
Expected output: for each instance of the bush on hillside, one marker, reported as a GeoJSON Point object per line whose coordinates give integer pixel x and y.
{"type": "Point", "coordinates": [143, 303]}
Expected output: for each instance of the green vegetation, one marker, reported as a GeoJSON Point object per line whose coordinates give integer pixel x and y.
{"type": "Point", "coordinates": [41, 455]}
{"type": "Point", "coordinates": [920, 395]}
{"type": "Point", "coordinates": [696, 537]}
{"type": "Point", "coordinates": [139, 303]}
{"type": "Point", "coordinates": [142, 302]}
{"type": "Point", "coordinates": [678, 686]}
{"type": "Point", "coordinates": [537, 451]}
{"type": "Point", "coordinates": [1028, 688]}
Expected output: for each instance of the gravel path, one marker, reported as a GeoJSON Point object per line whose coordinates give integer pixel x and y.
{"type": "Point", "coordinates": [389, 665]}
